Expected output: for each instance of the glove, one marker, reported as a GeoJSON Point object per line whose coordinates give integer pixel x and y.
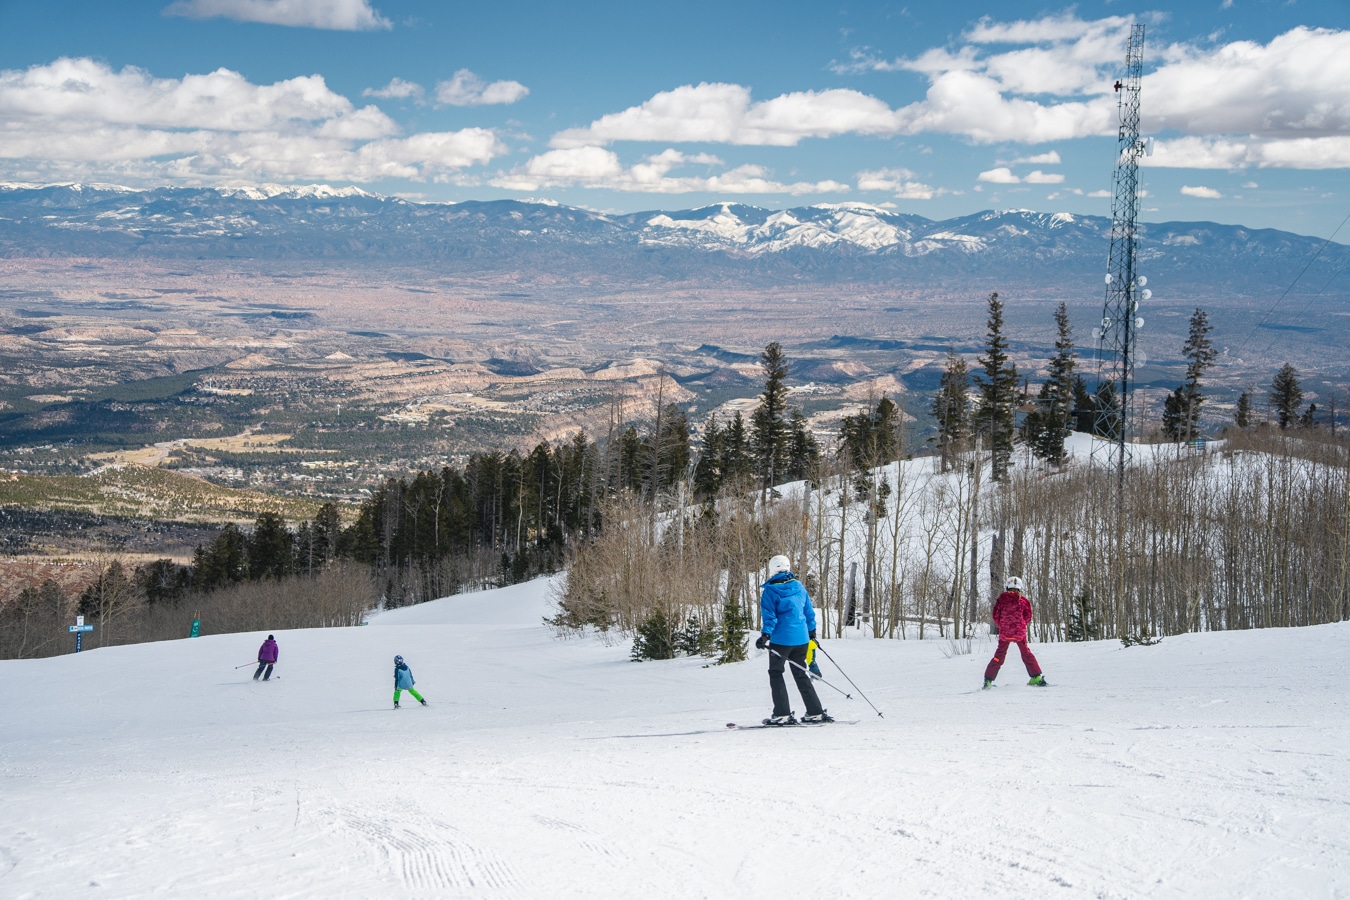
{"type": "Point", "coordinates": [811, 635]}
{"type": "Point", "coordinates": [762, 642]}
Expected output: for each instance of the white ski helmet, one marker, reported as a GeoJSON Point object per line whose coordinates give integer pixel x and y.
{"type": "Point", "coordinates": [1014, 584]}
{"type": "Point", "coordinates": [779, 564]}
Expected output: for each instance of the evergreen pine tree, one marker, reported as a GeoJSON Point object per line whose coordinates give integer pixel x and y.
{"type": "Point", "coordinates": [951, 408]}
{"type": "Point", "coordinates": [1242, 417]}
{"type": "Point", "coordinates": [1054, 414]}
{"type": "Point", "coordinates": [1286, 396]}
{"type": "Point", "coordinates": [731, 637]}
{"type": "Point", "coordinates": [1084, 407]}
{"type": "Point", "coordinates": [769, 431]}
{"type": "Point", "coordinates": [1200, 355]}
{"type": "Point", "coordinates": [1083, 624]}
{"type": "Point", "coordinates": [1309, 417]}
{"type": "Point", "coordinates": [270, 548]}
{"type": "Point", "coordinates": [1174, 414]}
{"type": "Point", "coordinates": [870, 437]}
{"type": "Point", "coordinates": [803, 452]}
{"type": "Point", "coordinates": [708, 471]}
{"type": "Point", "coordinates": [655, 638]}
{"type": "Point", "coordinates": [736, 464]}
{"type": "Point", "coordinates": [998, 392]}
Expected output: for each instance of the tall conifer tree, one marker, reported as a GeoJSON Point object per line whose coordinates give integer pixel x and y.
{"type": "Point", "coordinates": [998, 392]}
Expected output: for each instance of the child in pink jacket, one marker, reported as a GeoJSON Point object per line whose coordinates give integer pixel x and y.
{"type": "Point", "coordinates": [1012, 614]}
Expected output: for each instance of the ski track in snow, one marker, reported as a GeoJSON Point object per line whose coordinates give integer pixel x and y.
{"type": "Point", "coordinates": [556, 768]}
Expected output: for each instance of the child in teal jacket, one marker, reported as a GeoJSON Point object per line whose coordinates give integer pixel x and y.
{"type": "Point", "coordinates": [403, 681]}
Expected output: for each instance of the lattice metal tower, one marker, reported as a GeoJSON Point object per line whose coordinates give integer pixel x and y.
{"type": "Point", "coordinates": [1124, 286]}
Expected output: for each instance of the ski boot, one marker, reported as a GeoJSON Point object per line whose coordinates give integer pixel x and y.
{"type": "Point", "coordinates": [819, 718]}
{"type": "Point", "coordinates": [395, 704]}
{"type": "Point", "coordinates": [789, 719]}
{"type": "Point", "coordinates": [423, 702]}
{"type": "Point", "coordinates": [1039, 681]}
{"type": "Point", "coordinates": [988, 683]}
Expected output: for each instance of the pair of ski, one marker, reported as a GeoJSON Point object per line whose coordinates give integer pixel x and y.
{"type": "Point", "coordinates": [798, 724]}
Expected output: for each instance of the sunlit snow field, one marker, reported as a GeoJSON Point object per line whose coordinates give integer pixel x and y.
{"type": "Point", "coordinates": [1209, 765]}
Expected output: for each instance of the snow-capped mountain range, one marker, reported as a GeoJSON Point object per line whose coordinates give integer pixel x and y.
{"type": "Point", "coordinates": [835, 242]}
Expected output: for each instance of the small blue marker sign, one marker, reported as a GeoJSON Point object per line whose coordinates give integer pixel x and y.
{"type": "Point", "coordinates": [79, 628]}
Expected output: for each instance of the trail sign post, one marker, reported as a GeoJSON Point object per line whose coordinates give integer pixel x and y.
{"type": "Point", "coordinates": [79, 628]}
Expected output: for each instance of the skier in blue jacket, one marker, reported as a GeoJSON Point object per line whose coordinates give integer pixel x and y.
{"type": "Point", "coordinates": [403, 681]}
{"type": "Point", "coordinates": [789, 627]}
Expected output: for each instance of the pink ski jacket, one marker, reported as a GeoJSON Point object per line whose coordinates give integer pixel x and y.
{"type": "Point", "coordinates": [1012, 613]}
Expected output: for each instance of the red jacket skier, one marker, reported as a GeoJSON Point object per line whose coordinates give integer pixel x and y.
{"type": "Point", "coordinates": [1012, 614]}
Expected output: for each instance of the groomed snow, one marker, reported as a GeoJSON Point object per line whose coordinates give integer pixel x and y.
{"type": "Point", "coordinates": [1210, 765]}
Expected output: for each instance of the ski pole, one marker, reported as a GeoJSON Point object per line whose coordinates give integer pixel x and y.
{"type": "Point", "coordinates": [808, 672]}
{"type": "Point", "coordinates": [850, 680]}
{"type": "Point", "coordinates": [254, 663]}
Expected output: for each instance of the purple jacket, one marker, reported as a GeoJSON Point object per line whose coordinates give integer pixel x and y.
{"type": "Point", "coordinates": [268, 651]}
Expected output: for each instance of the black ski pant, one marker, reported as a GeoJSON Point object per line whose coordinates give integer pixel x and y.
{"type": "Point", "coordinates": [263, 664]}
{"type": "Point", "coordinates": [779, 656]}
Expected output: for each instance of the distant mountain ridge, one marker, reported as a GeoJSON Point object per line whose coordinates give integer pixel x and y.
{"type": "Point", "coordinates": [823, 243]}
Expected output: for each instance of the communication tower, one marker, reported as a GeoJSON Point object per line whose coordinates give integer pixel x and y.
{"type": "Point", "coordinates": [1125, 287]}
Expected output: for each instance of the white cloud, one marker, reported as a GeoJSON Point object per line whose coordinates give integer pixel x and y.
{"type": "Point", "coordinates": [724, 113]}
{"type": "Point", "coordinates": [467, 89]}
{"type": "Point", "coordinates": [1100, 194]}
{"type": "Point", "coordinates": [1250, 185]}
{"type": "Point", "coordinates": [1039, 177]}
{"type": "Point", "coordinates": [1051, 79]}
{"type": "Point", "coordinates": [1205, 193]}
{"type": "Point", "coordinates": [598, 167]}
{"type": "Point", "coordinates": [1252, 152]}
{"type": "Point", "coordinates": [1040, 159]}
{"type": "Point", "coordinates": [79, 119]}
{"type": "Point", "coordinates": [903, 183]}
{"type": "Point", "coordinates": [1295, 86]}
{"type": "Point", "coordinates": [1037, 81]}
{"type": "Point", "coordinates": [337, 15]}
{"type": "Point", "coordinates": [1000, 175]}
{"type": "Point", "coordinates": [397, 89]}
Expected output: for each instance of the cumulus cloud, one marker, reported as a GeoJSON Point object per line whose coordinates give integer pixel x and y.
{"type": "Point", "coordinates": [1000, 175]}
{"type": "Point", "coordinates": [1036, 81]}
{"type": "Point", "coordinates": [599, 167]}
{"type": "Point", "coordinates": [1052, 78]}
{"type": "Point", "coordinates": [1252, 152]}
{"type": "Point", "coordinates": [1205, 193]}
{"type": "Point", "coordinates": [1039, 177]}
{"type": "Point", "coordinates": [466, 89]}
{"type": "Point", "coordinates": [336, 15]}
{"type": "Point", "coordinates": [397, 89]}
{"type": "Point", "coordinates": [81, 119]}
{"type": "Point", "coordinates": [1004, 175]}
{"type": "Point", "coordinates": [1040, 159]}
{"type": "Point", "coordinates": [724, 113]}
{"type": "Point", "coordinates": [903, 183]}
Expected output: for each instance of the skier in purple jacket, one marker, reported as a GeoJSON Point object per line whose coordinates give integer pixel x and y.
{"type": "Point", "coordinates": [267, 658]}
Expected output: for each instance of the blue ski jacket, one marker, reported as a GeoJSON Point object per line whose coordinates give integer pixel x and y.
{"type": "Point", "coordinates": [785, 607]}
{"type": "Point", "coordinates": [403, 677]}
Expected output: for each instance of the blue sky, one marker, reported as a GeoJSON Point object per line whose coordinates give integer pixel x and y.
{"type": "Point", "coordinates": [939, 109]}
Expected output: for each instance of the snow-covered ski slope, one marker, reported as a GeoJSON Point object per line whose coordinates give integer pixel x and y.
{"type": "Point", "coordinates": [1210, 765]}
